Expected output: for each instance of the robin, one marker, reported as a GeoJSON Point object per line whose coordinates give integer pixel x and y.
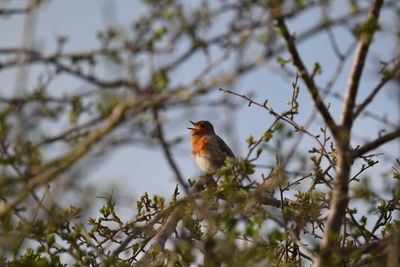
{"type": "Point", "coordinates": [209, 150]}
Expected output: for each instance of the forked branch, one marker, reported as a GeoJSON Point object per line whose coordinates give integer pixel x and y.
{"type": "Point", "coordinates": [306, 77]}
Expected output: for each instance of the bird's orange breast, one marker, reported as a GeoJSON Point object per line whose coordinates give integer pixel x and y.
{"type": "Point", "coordinates": [199, 144]}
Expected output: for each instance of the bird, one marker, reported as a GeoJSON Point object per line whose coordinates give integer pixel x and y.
{"type": "Point", "coordinates": [208, 149]}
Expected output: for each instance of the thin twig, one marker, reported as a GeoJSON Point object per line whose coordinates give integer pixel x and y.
{"type": "Point", "coordinates": [376, 90]}
{"type": "Point", "coordinates": [279, 116]}
{"type": "Point", "coordinates": [376, 143]}
{"type": "Point", "coordinates": [307, 79]}
{"type": "Point", "coordinates": [167, 151]}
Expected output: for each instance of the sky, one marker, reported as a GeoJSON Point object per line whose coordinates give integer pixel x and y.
{"type": "Point", "coordinates": [132, 170]}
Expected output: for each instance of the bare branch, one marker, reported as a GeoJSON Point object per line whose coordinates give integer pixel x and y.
{"type": "Point", "coordinates": [13, 11]}
{"type": "Point", "coordinates": [326, 91]}
{"type": "Point", "coordinates": [340, 199]}
{"type": "Point", "coordinates": [353, 82]}
{"type": "Point", "coordinates": [167, 151]}
{"type": "Point", "coordinates": [308, 80]}
{"type": "Point", "coordinates": [376, 143]}
{"type": "Point", "coordinates": [376, 89]}
{"type": "Point", "coordinates": [283, 117]}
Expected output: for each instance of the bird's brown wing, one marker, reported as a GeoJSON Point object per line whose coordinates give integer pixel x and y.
{"type": "Point", "coordinates": [224, 147]}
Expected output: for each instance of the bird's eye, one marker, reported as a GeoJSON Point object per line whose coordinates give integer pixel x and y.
{"type": "Point", "coordinates": [201, 125]}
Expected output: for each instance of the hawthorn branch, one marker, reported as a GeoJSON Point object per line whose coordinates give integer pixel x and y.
{"type": "Point", "coordinates": [147, 227]}
{"type": "Point", "coordinates": [376, 143]}
{"type": "Point", "coordinates": [306, 77]}
{"type": "Point", "coordinates": [167, 151]}
{"type": "Point", "coordinates": [56, 167]}
{"type": "Point", "coordinates": [376, 89]}
{"type": "Point", "coordinates": [353, 82]}
{"type": "Point", "coordinates": [283, 117]}
{"type": "Point", "coordinates": [166, 230]}
{"type": "Point", "coordinates": [340, 200]}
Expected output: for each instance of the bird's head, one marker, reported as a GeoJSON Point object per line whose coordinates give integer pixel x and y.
{"type": "Point", "coordinates": [201, 128]}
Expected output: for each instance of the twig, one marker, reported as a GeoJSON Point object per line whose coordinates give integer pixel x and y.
{"type": "Point", "coordinates": [307, 79]}
{"type": "Point", "coordinates": [297, 241]}
{"type": "Point", "coordinates": [376, 143]}
{"type": "Point", "coordinates": [167, 151]}
{"type": "Point", "coordinates": [313, 113]}
{"type": "Point", "coordinates": [147, 226]}
{"type": "Point", "coordinates": [376, 90]}
{"type": "Point", "coordinates": [169, 226]}
{"type": "Point", "coordinates": [28, 8]}
{"type": "Point", "coordinates": [347, 117]}
{"type": "Point", "coordinates": [279, 116]}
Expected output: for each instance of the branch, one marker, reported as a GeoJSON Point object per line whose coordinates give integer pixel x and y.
{"type": "Point", "coordinates": [12, 11]}
{"type": "Point", "coordinates": [326, 91]}
{"type": "Point", "coordinates": [147, 227]}
{"type": "Point", "coordinates": [167, 229]}
{"type": "Point", "coordinates": [339, 202]}
{"type": "Point", "coordinates": [297, 241]}
{"type": "Point", "coordinates": [283, 117]}
{"type": "Point", "coordinates": [130, 106]}
{"type": "Point", "coordinates": [167, 151]}
{"type": "Point", "coordinates": [307, 79]}
{"type": "Point", "coordinates": [376, 143]}
{"type": "Point", "coordinates": [376, 89]}
{"type": "Point", "coordinates": [169, 226]}
{"type": "Point", "coordinates": [353, 82]}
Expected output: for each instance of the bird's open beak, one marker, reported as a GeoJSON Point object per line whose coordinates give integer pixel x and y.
{"type": "Point", "coordinates": [193, 125]}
